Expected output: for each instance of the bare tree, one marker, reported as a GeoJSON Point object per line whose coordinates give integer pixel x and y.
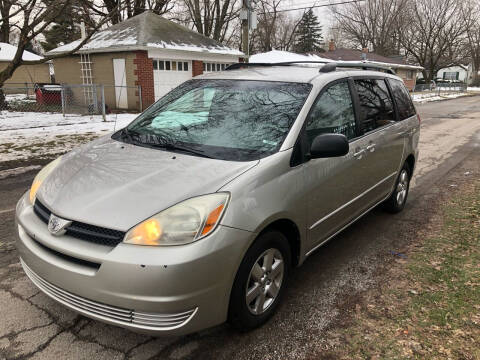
{"type": "Point", "coordinates": [212, 18]}
{"type": "Point", "coordinates": [128, 8]}
{"type": "Point", "coordinates": [5, 8]}
{"type": "Point", "coordinates": [471, 17]}
{"type": "Point", "coordinates": [371, 24]}
{"type": "Point", "coordinates": [434, 35]}
{"type": "Point", "coordinates": [35, 16]}
{"type": "Point", "coordinates": [276, 30]}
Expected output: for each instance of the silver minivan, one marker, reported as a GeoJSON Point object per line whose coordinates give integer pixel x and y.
{"type": "Point", "coordinates": [195, 213]}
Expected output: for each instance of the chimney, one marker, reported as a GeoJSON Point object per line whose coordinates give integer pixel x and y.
{"type": "Point", "coordinates": [331, 45]}
{"type": "Point", "coordinates": [82, 30]}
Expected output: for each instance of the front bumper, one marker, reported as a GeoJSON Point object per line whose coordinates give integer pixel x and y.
{"type": "Point", "coordinates": [157, 290]}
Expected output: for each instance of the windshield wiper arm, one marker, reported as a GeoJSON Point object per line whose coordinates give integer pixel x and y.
{"type": "Point", "coordinates": [174, 147]}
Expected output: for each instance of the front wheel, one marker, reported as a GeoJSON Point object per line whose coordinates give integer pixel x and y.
{"type": "Point", "coordinates": [260, 281]}
{"type": "Point", "coordinates": [396, 202]}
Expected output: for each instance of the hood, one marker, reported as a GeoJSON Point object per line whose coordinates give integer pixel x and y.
{"type": "Point", "coordinates": [116, 185]}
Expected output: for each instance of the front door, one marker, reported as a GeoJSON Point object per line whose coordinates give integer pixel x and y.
{"type": "Point", "coordinates": [332, 185]}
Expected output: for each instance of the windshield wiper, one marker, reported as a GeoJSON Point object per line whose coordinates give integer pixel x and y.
{"type": "Point", "coordinates": [128, 134]}
{"type": "Point", "coordinates": [174, 147]}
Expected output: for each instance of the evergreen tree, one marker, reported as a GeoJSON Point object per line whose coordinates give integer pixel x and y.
{"type": "Point", "coordinates": [63, 30]}
{"type": "Point", "coordinates": [309, 34]}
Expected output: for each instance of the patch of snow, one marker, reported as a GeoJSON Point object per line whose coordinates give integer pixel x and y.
{"type": "Point", "coordinates": [101, 40]}
{"type": "Point", "coordinates": [17, 171]}
{"type": "Point", "coordinates": [20, 97]}
{"type": "Point", "coordinates": [474, 89]}
{"type": "Point", "coordinates": [194, 48]}
{"type": "Point", "coordinates": [7, 53]}
{"type": "Point", "coordinates": [276, 56]}
{"type": "Point", "coordinates": [34, 134]}
{"type": "Point", "coordinates": [429, 97]}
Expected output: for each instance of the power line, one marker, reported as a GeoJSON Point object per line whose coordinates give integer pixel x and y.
{"type": "Point", "coordinates": [312, 7]}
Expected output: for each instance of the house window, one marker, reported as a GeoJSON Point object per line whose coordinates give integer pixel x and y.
{"type": "Point", "coordinates": [409, 75]}
{"type": "Point", "coordinates": [167, 65]}
{"type": "Point", "coordinates": [208, 67]}
{"type": "Point", "coordinates": [451, 75]}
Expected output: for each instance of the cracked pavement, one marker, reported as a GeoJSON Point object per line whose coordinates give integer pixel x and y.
{"type": "Point", "coordinates": [32, 326]}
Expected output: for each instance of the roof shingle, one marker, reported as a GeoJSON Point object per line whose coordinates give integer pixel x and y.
{"type": "Point", "coordinates": [146, 31]}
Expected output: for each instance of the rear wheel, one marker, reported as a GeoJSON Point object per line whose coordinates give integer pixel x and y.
{"type": "Point", "coordinates": [260, 281]}
{"type": "Point", "coordinates": [396, 202]}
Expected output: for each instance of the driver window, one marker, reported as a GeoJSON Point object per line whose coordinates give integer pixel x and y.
{"type": "Point", "coordinates": [332, 113]}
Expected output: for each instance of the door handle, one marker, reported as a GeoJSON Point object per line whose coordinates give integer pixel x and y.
{"type": "Point", "coordinates": [359, 154]}
{"type": "Point", "coordinates": [371, 147]}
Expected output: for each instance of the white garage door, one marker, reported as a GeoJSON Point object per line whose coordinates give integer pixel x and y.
{"type": "Point", "coordinates": [168, 74]}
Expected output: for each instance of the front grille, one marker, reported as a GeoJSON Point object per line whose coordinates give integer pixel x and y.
{"type": "Point", "coordinates": [117, 315]}
{"type": "Point", "coordinates": [42, 212]}
{"type": "Point", "coordinates": [79, 230]}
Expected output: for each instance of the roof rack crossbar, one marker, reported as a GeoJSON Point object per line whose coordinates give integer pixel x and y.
{"type": "Point", "coordinates": [360, 64]}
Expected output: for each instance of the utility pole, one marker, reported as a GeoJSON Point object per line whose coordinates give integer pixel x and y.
{"type": "Point", "coordinates": [244, 16]}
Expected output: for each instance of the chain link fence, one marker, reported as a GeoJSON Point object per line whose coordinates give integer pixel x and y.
{"type": "Point", "coordinates": [71, 99]}
{"type": "Point", "coordinates": [440, 89]}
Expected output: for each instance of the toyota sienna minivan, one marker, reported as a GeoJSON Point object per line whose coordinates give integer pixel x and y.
{"type": "Point", "coordinates": [196, 212]}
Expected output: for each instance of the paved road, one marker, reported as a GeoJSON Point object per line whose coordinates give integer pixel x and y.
{"type": "Point", "coordinates": [320, 293]}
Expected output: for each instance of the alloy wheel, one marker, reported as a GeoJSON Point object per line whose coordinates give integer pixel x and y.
{"type": "Point", "coordinates": [402, 187]}
{"type": "Point", "coordinates": [264, 281]}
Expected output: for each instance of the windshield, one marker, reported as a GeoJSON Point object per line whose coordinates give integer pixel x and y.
{"type": "Point", "coordinates": [224, 119]}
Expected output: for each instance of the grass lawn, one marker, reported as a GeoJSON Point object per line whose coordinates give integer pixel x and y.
{"type": "Point", "coordinates": [429, 306]}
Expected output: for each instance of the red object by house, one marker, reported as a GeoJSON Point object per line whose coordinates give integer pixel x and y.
{"type": "Point", "coordinates": [48, 94]}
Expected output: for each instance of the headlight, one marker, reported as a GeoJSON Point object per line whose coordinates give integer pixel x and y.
{"type": "Point", "coordinates": [181, 224]}
{"type": "Point", "coordinates": [41, 176]}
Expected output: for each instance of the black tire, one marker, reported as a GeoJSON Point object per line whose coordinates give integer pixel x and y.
{"type": "Point", "coordinates": [239, 314]}
{"type": "Point", "coordinates": [393, 204]}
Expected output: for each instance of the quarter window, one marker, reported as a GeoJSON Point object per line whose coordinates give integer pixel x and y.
{"type": "Point", "coordinates": [332, 113]}
{"type": "Point", "coordinates": [376, 107]}
{"type": "Point", "coordinates": [403, 100]}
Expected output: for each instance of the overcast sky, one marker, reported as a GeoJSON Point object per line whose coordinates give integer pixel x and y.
{"type": "Point", "coordinates": [323, 13]}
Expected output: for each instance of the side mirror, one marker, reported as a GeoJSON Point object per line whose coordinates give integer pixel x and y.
{"type": "Point", "coordinates": [329, 145]}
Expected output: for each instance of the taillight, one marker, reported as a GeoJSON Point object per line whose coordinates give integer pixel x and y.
{"type": "Point", "coordinates": [418, 117]}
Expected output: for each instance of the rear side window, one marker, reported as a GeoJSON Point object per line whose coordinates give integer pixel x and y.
{"type": "Point", "coordinates": [332, 113]}
{"type": "Point", "coordinates": [402, 99]}
{"type": "Point", "coordinates": [376, 106]}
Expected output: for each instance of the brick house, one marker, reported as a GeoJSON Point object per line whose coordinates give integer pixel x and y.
{"type": "Point", "coordinates": [145, 50]}
{"type": "Point", "coordinates": [406, 71]}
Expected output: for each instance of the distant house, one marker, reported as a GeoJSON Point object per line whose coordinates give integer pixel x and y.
{"type": "Point", "coordinates": [406, 71]}
{"type": "Point", "coordinates": [456, 72]}
{"type": "Point", "coordinates": [25, 74]}
{"type": "Point", "coordinates": [145, 50]}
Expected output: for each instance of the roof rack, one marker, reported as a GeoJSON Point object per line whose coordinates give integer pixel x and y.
{"type": "Point", "coordinates": [329, 65]}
